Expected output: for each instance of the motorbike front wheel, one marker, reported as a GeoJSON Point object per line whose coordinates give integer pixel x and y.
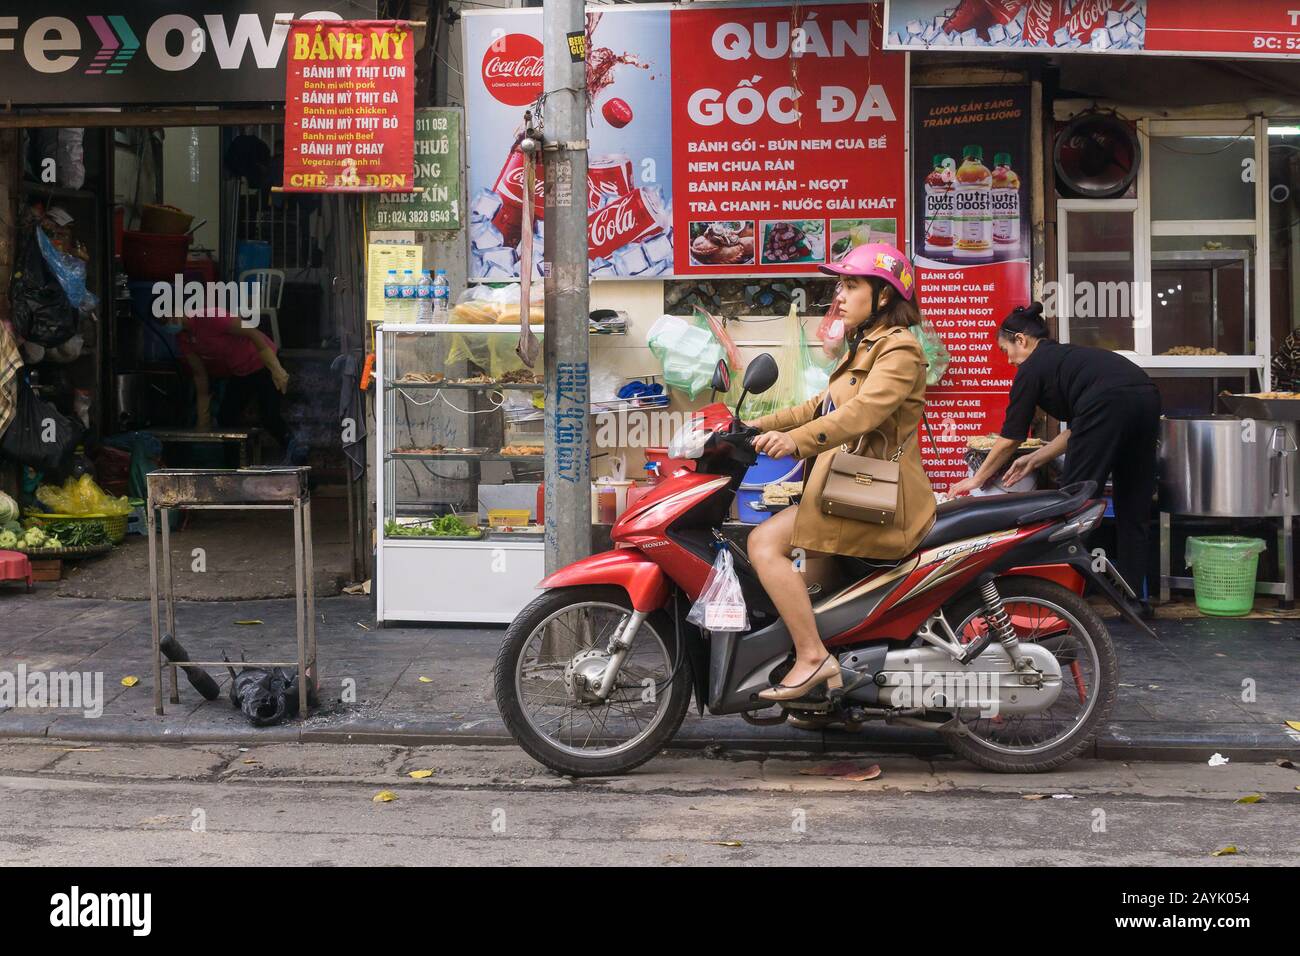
{"type": "Point", "coordinates": [556, 647]}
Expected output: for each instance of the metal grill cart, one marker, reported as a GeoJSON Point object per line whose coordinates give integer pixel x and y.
{"type": "Point", "coordinates": [1241, 465]}
{"type": "Point", "coordinates": [244, 489]}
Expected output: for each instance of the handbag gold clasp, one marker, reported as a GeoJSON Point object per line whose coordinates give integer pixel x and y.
{"type": "Point", "coordinates": [862, 479]}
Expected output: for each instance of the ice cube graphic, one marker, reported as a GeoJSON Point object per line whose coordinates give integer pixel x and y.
{"type": "Point", "coordinates": [997, 34]}
{"type": "Point", "coordinates": [1100, 39]}
{"type": "Point", "coordinates": [1061, 37]}
{"type": "Point", "coordinates": [483, 235]}
{"type": "Point", "coordinates": [631, 260]}
{"type": "Point", "coordinates": [486, 204]}
{"type": "Point", "coordinates": [501, 258]}
{"type": "Point", "coordinates": [915, 28]}
{"type": "Point", "coordinates": [658, 248]}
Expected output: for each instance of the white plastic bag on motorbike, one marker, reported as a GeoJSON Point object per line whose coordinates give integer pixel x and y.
{"type": "Point", "coordinates": [721, 605]}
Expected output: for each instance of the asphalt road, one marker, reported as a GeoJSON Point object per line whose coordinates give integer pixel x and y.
{"type": "Point", "coordinates": [106, 805]}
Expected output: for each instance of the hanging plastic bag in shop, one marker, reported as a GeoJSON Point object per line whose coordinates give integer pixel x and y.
{"type": "Point", "coordinates": [688, 350]}
{"type": "Point", "coordinates": [724, 339]}
{"type": "Point", "coordinates": [69, 270]}
{"type": "Point", "coordinates": [40, 307]}
{"type": "Point", "coordinates": [39, 435]}
{"type": "Point", "coordinates": [803, 374]}
{"type": "Point", "coordinates": [486, 305]}
{"type": "Point", "coordinates": [936, 353]}
{"type": "Point", "coordinates": [721, 605]}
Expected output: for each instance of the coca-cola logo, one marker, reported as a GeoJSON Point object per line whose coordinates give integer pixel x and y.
{"type": "Point", "coordinates": [512, 69]}
{"type": "Point", "coordinates": [611, 223]}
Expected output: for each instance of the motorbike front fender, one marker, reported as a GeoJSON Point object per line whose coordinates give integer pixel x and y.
{"type": "Point", "coordinates": [643, 580]}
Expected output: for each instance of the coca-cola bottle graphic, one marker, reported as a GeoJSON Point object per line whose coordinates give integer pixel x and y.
{"type": "Point", "coordinates": [1005, 204]}
{"type": "Point", "coordinates": [979, 15]}
{"type": "Point", "coordinates": [939, 194]}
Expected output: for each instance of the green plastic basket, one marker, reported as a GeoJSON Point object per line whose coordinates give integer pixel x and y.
{"type": "Point", "coordinates": [1223, 573]}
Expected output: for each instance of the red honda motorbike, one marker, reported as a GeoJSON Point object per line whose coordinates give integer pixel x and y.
{"type": "Point", "coordinates": [982, 633]}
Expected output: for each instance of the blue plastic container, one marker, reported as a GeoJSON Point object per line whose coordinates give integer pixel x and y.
{"type": "Point", "coordinates": [762, 473]}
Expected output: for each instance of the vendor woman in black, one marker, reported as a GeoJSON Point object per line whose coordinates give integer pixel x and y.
{"type": "Point", "coordinates": [1113, 413]}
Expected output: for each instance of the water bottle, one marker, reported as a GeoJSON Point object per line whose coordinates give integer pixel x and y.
{"type": "Point", "coordinates": [441, 296]}
{"type": "Point", "coordinates": [408, 295]}
{"type": "Point", "coordinates": [423, 293]}
{"type": "Point", "coordinates": [392, 293]}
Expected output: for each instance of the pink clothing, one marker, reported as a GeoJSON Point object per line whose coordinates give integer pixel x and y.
{"type": "Point", "coordinates": [224, 352]}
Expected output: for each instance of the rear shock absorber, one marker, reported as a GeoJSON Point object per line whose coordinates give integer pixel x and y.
{"type": "Point", "coordinates": [995, 613]}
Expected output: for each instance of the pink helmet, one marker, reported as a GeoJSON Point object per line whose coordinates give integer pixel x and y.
{"type": "Point", "coordinates": [877, 259]}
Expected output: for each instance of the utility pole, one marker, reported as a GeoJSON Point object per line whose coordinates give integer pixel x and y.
{"type": "Point", "coordinates": [565, 345]}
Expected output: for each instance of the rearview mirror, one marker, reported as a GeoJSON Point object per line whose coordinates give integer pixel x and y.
{"type": "Point", "coordinates": [760, 374]}
{"type": "Point", "coordinates": [722, 377]}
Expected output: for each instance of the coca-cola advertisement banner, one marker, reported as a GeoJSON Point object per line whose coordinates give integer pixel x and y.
{"type": "Point", "coordinates": [971, 234]}
{"type": "Point", "coordinates": [724, 140]}
{"type": "Point", "coordinates": [349, 107]}
{"type": "Point", "coordinates": [1260, 28]}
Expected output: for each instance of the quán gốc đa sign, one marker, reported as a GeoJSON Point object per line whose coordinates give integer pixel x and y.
{"type": "Point", "coordinates": [114, 53]}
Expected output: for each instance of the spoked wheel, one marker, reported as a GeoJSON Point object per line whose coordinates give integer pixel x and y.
{"type": "Point", "coordinates": [555, 653]}
{"type": "Point", "coordinates": [1060, 621]}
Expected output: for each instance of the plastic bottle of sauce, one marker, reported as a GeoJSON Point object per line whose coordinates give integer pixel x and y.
{"type": "Point", "coordinates": [973, 216]}
{"type": "Point", "coordinates": [1006, 204]}
{"type": "Point", "coordinates": [939, 206]}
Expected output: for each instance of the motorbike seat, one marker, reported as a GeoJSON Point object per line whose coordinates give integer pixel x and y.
{"type": "Point", "coordinates": [967, 517]}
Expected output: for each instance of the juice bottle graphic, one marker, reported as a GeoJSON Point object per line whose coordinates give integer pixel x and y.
{"type": "Point", "coordinates": [1006, 204]}
{"type": "Point", "coordinates": [973, 216]}
{"type": "Point", "coordinates": [939, 197]}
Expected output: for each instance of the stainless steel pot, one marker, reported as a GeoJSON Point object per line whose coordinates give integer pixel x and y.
{"type": "Point", "coordinates": [1221, 466]}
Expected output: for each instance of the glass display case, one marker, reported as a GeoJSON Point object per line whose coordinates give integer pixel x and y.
{"type": "Point", "coordinates": [460, 465]}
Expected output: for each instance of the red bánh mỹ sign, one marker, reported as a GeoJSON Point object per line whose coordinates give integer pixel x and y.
{"type": "Point", "coordinates": [349, 107]}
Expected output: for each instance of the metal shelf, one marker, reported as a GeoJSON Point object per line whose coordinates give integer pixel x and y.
{"type": "Point", "coordinates": [489, 456]}
{"type": "Point", "coordinates": [470, 386]}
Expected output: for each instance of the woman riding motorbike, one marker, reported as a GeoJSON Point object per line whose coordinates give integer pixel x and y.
{"type": "Point", "coordinates": [873, 404]}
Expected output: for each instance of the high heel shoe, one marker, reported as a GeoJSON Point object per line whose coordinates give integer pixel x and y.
{"type": "Point", "coordinates": [827, 673]}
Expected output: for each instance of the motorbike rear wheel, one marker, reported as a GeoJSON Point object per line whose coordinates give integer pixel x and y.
{"type": "Point", "coordinates": [534, 683]}
{"type": "Point", "coordinates": [1058, 619]}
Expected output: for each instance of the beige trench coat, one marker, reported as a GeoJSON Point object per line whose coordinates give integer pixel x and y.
{"type": "Point", "coordinates": [879, 394]}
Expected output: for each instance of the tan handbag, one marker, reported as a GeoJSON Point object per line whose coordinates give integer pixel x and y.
{"type": "Point", "coordinates": [863, 488]}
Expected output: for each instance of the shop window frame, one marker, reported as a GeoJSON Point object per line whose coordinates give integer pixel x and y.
{"type": "Point", "coordinates": [1227, 366]}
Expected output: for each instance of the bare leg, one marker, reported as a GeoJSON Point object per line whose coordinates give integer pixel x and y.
{"type": "Point", "coordinates": [770, 553]}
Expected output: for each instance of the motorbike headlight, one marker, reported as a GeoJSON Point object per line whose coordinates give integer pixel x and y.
{"type": "Point", "coordinates": [1081, 523]}
{"type": "Point", "coordinates": [688, 442]}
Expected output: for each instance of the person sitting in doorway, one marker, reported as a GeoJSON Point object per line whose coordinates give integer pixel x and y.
{"type": "Point", "coordinates": [215, 347]}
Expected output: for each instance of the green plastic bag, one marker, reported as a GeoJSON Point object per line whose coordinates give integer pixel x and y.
{"type": "Point", "coordinates": [936, 353]}
{"type": "Point", "coordinates": [804, 373]}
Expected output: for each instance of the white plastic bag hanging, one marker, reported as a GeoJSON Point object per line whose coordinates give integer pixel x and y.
{"type": "Point", "coordinates": [721, 605]}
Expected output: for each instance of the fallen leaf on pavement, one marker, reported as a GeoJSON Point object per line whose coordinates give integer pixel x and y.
{"type": "Point", "coordinates": [1250, 798]}
{"type": "Point", "coordinates": [725, 843]}
{"type": "Point", "coordinates": [1034, 796]}
{"type": "Point", "coordinates": [251, 760]}
{"type": "Point", "coordinates": [844, 770]}
{"type": "Point", "coordinates": [1285, 763]}
{"type": "Point", "coordinates": [1293, 724]}
{"type": "Point", "coordinates": [420, 774]}
{"type": "Point", "coordinates": [426, 680]}
{"type": "Point", "coordinates": [254, 621]}
{"type": "Point", "coordinates": [1228, 850]}
{"type": "Point", "coordinates": [81, 750]}
{"type": "Point", "coordinates": [384, 796]}
{"type": "Point", "coordinates": [130, 681]}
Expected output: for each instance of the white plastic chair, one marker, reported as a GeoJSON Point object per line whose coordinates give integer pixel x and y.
{"type": "Point", "coordinates": [270, 283]}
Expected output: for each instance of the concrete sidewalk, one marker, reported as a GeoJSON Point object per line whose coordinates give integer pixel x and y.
{"type": "Point", "coordinates": [1181, 697]}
